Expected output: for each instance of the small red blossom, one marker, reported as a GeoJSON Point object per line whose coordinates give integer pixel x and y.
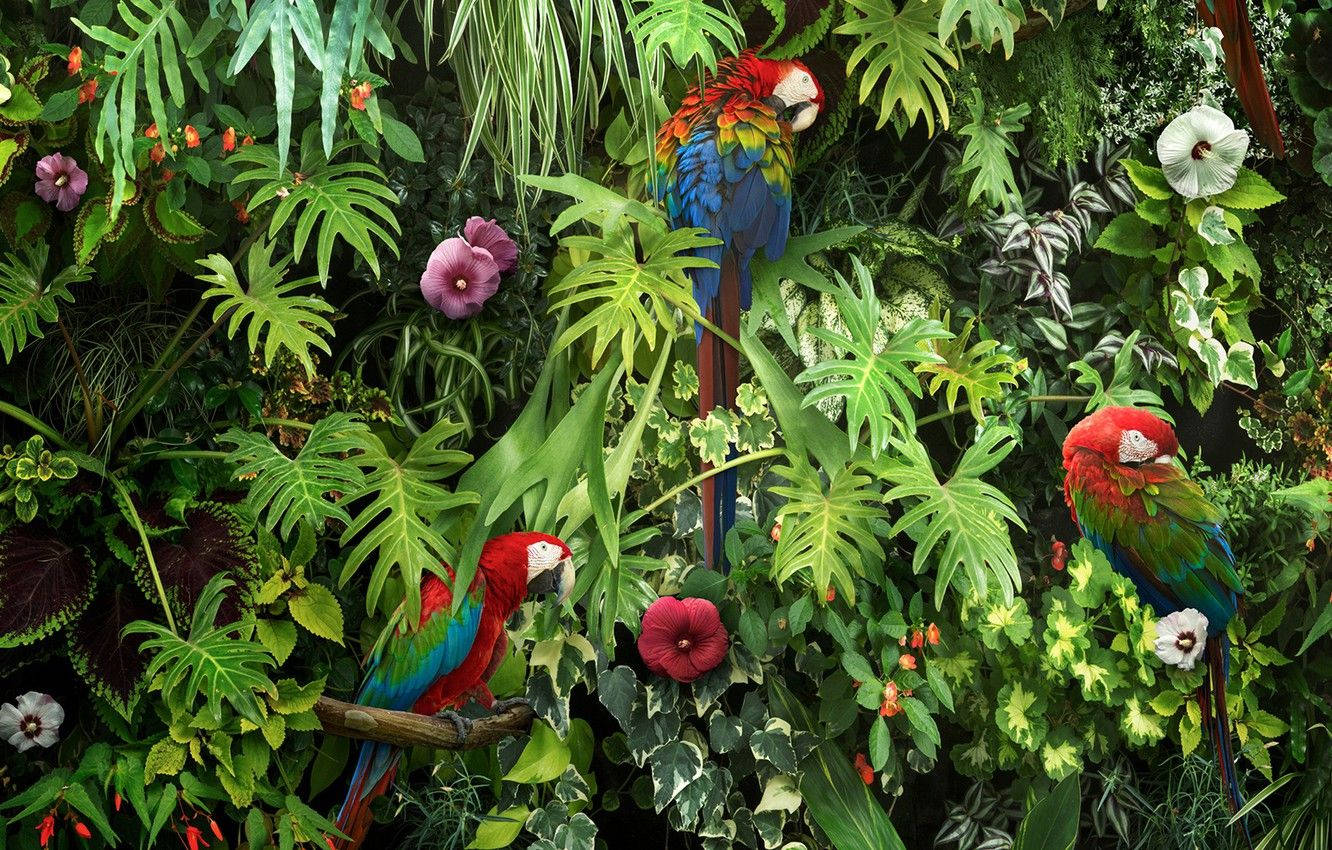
{"type": "Point", "coordinates": [157, 154]}
{"type": "Point", "coordinates": [116, 801]}
{"type": "Point", "coordinates": [194, 838]}
{"type": "Point", "coordinates": [831, 594]}
{"type": "Point", "coordinates": [1058, 555]}
{"type": "Point", "coordinates": [191, 136]}
{"type": "Point", "coordinates": [682, 638]}
{"type": "Point", "coordinates": [890, 706]}
{"type": "Point", "coordinates": [359, 94]}
{"type": "Point", "coordinates": [329, 842]}
{"type": "Point", "coordinates": [167, 174]}
{"type": "Point", "coordinates": [151, 132]}
{"type": "Point", "coordinates": [81, 830]}
{"type": "Point", "coordinates": [776, 533]}
{"type": "Point", "coordinates": [901, 641]}
{"type": "Point", "coordinates": [242, 214]}
{"type": "Point", "coordinates": [917, 638]}
{"type": "Point", "coordinates": [229, 140]}
{"type": "Point", "coordinates": [75, 60]}
{"type": "Point", "coordinates": [907, 661]}
{"type": "Point", "coordinates": [217, 830]}
{"type": "Point", "coordinates": [88, 91]}
{"type": "Point", "coordinates": [932, 634]}
{"type": "Point", "coordinates": [863, 768]}
{"type": "Point", "coordinates": [46, 828]}
{"type": "Point", "coordinates": [248, 140]}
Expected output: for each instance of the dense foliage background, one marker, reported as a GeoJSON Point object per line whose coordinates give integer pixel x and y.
{"type": "Point", "coordinates": [235, 433]}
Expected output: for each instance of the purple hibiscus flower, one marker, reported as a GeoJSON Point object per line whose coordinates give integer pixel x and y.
{"type": "Point", "coordinates": [459, 278]}
{"type": "Point", "coordinates": [60, 181]}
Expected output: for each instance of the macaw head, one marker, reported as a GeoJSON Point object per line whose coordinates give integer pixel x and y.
{"type": "Point", "coordinates": [1128, 436]}
{"type": "Point", "coordinates": [792, 89]}
{"type": "Point", "coordinates": [545, 561]}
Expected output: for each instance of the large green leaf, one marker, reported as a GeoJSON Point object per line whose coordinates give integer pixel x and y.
{"type": "Point", "coordinates": [347, 200]}
{"type": "Point", "coordinates": [906, 45]}
{"type": "Point", "coordinates": [26, 298]}
{"type": "Point", "coordinates": [215, 661]}
{"type": "Point", "coordinates": [876, 376]}
{"type": "Point", "coordinates": [990, 150]}
{"type": "Point", "coordinates": [285, 490]}
{"type": "Point", "coordinates": [687, 29]}
{"type": "Point", "coordinates": [150, 55]}
{"type": "Point", "coordinates": [1052, 824]}
{"type": "Point", "coordinates": [268, 306]}
{"type": "Point", "coordinates": [825, 530]}
{"type": "Point", "coordinates": [805, 429]}
{"type": "Point", "coordinates": [398, 525]}
{"type": "Point", "coordinates": [978, 370]}
{"type": "Point", "coordinates": [966, 516]}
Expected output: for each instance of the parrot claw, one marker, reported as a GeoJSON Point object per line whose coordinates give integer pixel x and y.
{"type": "Point", "coordinates": [460, 723]}
{"type": "Point", "coordinates": [504, 705]}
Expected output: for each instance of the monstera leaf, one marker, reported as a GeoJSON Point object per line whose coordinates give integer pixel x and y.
{"type": "Point", "coordinates": [113, 666]}
{"type": "Point", "coordinates": [27, 298]}
{"type": "Point", "coordinates": [44, 583]}
{"type": "Point", "coordinates": [212, 543]}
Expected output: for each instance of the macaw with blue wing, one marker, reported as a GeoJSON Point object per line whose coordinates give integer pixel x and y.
{"type": "Point", "coordinates": [724, 163]}
{"type": "Point", "coordinates": [448, 657]}
{"type": "Point", "coordinates": [1135, 504]}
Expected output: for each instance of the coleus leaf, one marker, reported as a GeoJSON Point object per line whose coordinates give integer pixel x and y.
{"type": "Point", "coordinates": [212, 543]}
{"type": "Point", "coordinates": [111, 665]}
{"type": "Point", "coordinates": [44, 584]}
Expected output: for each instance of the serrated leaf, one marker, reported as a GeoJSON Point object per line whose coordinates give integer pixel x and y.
{"type": "Point", "coordinates": [315, 608]}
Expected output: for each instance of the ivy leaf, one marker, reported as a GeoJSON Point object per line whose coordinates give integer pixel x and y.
{"type": "Point", "coordinates": [26, 298]}
{"type": "Point", "coordinates": [825, 531]}
{"type": "Point", "coordinates": [268, 306]}
{"type": "Point", "coordinates": [874, 379]}
{"type": "Point", "coordinates": [687, 28]}
{"type": "Point", "coordinates": [624, 297]}
{"type": "Point", "coordinates": [907, 45]}
{"type": "Point", "coordinates": [989, 148]}
{"type": "Point", "coordinates": [347, 200]}
{"type": "Point", "coordinates": [284, 489]}
{"type": "Point", "coordinates": [714, 436]}
{"type": "Point", "coordinates": [964, 514]}
{"type": "Point", "coordinates": [1020, 714]}
{"type": "Point", "coordinates": [979, 370]}
{"type": "Point", "coordinates": [1141, 725]}
{"type": "Point", "coordinates": [211, 660]}
{"type": "Point", "coordinates": [403, 500]}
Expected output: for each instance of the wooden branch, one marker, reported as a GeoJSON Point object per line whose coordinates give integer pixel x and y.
{"type": "Point", "coordinates": [405, 729]}
{"type": "Point", "coordinates": [1036, 23]}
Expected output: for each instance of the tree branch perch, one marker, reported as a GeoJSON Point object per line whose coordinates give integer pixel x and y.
{"type": "Point", "coordinates": [405, 729]}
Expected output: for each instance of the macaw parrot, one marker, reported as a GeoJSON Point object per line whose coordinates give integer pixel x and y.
{"type": "Point", "coordinates": [723, 163]}
{"type": "Point", "coordinates": [447, 659]}
{"type": "Point", "coordinates": [1244, 67]}
{"type": "Point", "coordinates": [1152, 522]}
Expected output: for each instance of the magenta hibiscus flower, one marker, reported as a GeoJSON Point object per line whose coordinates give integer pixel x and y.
{"type": "Point", "coordinates": [459, 278]}
{"type": "Point", "coordinates": [481, 233]}
{"type": "Point", "coordinates": [60, 181]}
{"type": "Point", "coordinates": [682, 638]}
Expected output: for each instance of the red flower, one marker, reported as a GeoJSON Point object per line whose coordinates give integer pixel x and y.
{"type": "Point", "coordinates": [81, 830]}
{"type": "Point", "coordinates": [242, 214]}
{"type": "Point", "coordinates": [248, 140]}
{"type": "Point", "coordinates": [776, 533]}
{"type": "Point", "coordinates": [191, 136]}
{"type": "Point", "coordinates": [46, 828]}
{"type": "Point", "coordinates": [359, 94]}
{"type": "Point", "coordinates": [863, 768]}
{"type": "Point", "coordinates": [329, 842]}
{"type": "Point", "coordinates": [217, 830]}
{"type": "Point", "coordinates": [157, 154]}
{"type": "Point", "coordinates": [151, 132]}
{"type": "Point", "coordinates": [194, 837]}
{"type": "Point", "coordinates": [229, 140]}
{"type": "Point", "coordinates": [907, 661]}
{"type": "Point", "coordinates": [116, 800]}
{"type": "Point", "coordinates": [88, 91]}
{"type": "Point", "coordinates": [1058, 555]}
{"type": "Point", "coordinates": [75, 60]}
{"type": "Point", "coordinates": [682, 638]}
{"type": "Point", "coordinates": [932, 634]}
{"type": "Point", "coordinates": [167, 174]}
{"type": "Point", "coordinates": [917, 639]}
{"type": "Point", "coordinates": [831, 594]}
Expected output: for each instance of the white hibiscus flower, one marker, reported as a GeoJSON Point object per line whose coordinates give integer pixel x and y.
{"type": "Point", "coordinates": [1201, 152]}
{"type": "Point", "coordinates": [1181, 637]}
{"type": "Point", "coordinates": [34, 721]}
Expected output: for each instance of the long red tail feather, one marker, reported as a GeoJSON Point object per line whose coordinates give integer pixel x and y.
{"type": "Point", "coordinates": [355, 818]}
{"type": "Point", "coordinates": [1245, 68]}
{"type": "Point", "coordinates": [718, 377]}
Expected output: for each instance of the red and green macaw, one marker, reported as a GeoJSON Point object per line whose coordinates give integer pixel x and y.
{"type": "Point", "coordinates": [724, 163]}
{"type": "Point", "coordinates": [1135, 504]}
{"type": "Point", "coordinates": [448, 657]}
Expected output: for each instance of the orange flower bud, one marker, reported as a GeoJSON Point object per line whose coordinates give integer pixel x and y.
{"type": "Point", "coordinates": [88, 91]}
{"type": "Point", "coordinates": [75, 60]}
{"type": "Point", "coordinates": [228, 140]}
{"type": "Point", "coordinates": [917, 639]}
{"type": "Point", "coordinates": [907, 661]}
{"type": "Point", "coordinates": [359, 94]}
{"type": "Point", "coordinates": [776, 533]}
{"type": "Point", "coordinates": [191, 136]}
{"type": "Point", "coordinates": [151, 132]}
{"type": "Point", "coordinates": [932, 634]}
{"type": "Point", "coordinates": [116, 801]}
{"type": "Point", "coordinates": [81, 830]}
{"type": "Point", "coordinates": [157, 154]}
{"type": "Point", "coordinates": [248, 140]}
{"type": "Point", "coordinates": [831, 594]}
{"type": "Point", "coordinates": [217, 830]}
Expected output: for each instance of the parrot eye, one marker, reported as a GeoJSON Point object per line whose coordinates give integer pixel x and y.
{"type": "Point", "coordinates": [1135, 448]}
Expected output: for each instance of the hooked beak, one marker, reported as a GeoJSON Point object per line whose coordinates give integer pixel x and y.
{"type": "Point", "coordinates": [802, 115]}
{"type": "Point", "coordinates": [1164, 459]}
{"type": "Point", "coordinates": [559, 580]}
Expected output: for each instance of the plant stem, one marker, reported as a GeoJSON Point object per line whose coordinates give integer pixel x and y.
{"type": "Point", "coordinates": [35, 424]}
{"type": "Point", "coordinates": [184, 454]}
{"type": "Point", "coordinates": [708, 473]}
{"type": "Point", "coordinates": [721, 334]}
{"type": "Point", "coordinates": [147, 549]}
{"type": "Point", "coordinates": [93, 428]}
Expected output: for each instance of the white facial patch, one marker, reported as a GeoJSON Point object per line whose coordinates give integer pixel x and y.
{"type": "Point", "coordinates": [541, 556]}
{"type": "Point", "coordinates": [1134, 447]}
{"type": "Point", "coordinates": [796, 87]}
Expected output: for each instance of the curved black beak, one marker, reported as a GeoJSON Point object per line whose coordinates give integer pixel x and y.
{"type": "Point", "coordinates": [559, 580]}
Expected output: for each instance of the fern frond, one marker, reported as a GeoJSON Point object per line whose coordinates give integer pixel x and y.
{"type": "Point", "coordinates": [26, 299]}
{"type": "Point", "coordinates": [964, 515]}
{"type": "Point", "coordinates": [268, 306]}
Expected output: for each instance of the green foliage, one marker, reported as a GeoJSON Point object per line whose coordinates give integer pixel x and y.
{"type": "Point", "coordinates": [1052, 823]}
{"type": "Point", "coordinates": [268, 306]}
{"type": "Point", "coordinates": [989, 146]}
{"type": "Point", "coordinates": [991, 21]}
{"type": "Point", "coordinates": [688, 29]}
{"type": "Point", "coordinates": [978, 369]}
{"type": "Point", "coordinates": [27, 298]}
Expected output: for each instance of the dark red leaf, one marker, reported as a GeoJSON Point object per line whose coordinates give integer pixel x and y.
{"type": "Point", "coordinates": [211, 542]}
{"type": "Point", "coordinates": [112, 665]}
{"type": "Point", "coordinates": [44, 583]}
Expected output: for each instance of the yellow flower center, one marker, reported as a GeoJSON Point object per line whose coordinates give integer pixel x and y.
{"type": "Point", "coordinates": [683, 644]}
{"type": "Point", "coordinates": [460, 284]}
{"type": "Point", "coordinates": [62, 180]}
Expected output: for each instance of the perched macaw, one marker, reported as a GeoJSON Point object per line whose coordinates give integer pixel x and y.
{"type": "Point", "coordinates": [1133, 501]}
{"type": "Point", "coordinates": [448, 657]}
{"type": "Point", "coordinates": [724, 162]}
{"type": "Point", "coordinates": [1244, 67]}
